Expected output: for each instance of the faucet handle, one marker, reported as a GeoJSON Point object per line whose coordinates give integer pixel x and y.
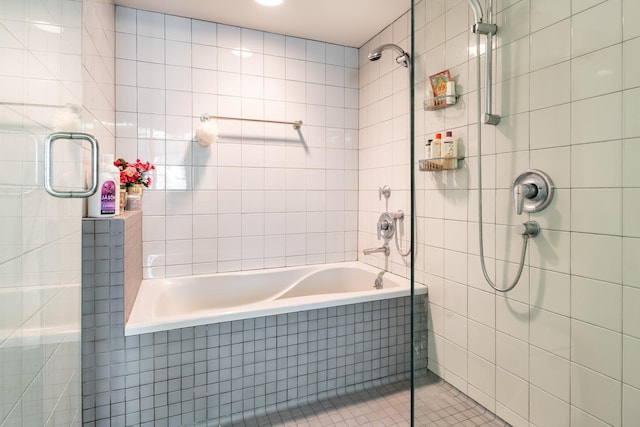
{"type": "Point", "coordinates": [385, 226]}
{"type": "Point", "coordinates": [521, 192]}
{"type": "Point", "coordinates": [384, 191]}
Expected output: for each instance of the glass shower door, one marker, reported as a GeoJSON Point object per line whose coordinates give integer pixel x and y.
{"type": "Point", "coordinates": [40, 247]}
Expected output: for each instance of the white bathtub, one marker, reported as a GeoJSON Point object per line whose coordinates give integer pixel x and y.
{"type": "Point", "coordinates": [179, 302]}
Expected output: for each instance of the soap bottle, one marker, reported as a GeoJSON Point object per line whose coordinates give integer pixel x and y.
{"type": "Point", "coordinates": [115, 172]}
{"type": "Point", "coordinates": [427, 149]}
{"type": "Point", "coordinates": [436, 151]}
{"type": "Point", "coordinates": [102, 204]}
{"type": "Point", "coordinates": [449, 151]}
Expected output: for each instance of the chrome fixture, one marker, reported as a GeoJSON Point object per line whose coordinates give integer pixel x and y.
{"type": "Point", "coordinates": [402, 58]}
{"type": "Point", "coordinates": [489, 29]}
{"type": "Point", "coordinates": [384, 191]}
{"type": "Point", "coordinates": [532, 191]}
{"type": "Point", "coordinates": [385, 226]}
{"type": "Point", "coordinates": [384, 248]}
{"type": "Point", "coordinates": [385, 229]}
{"type": "Point", "coordinates": [48, 164]}
{"type": "Point", "coordinates": [528, 228]}
{"type": "Point", "coordinates": [297, 124]}
{"type": "Point", "coordinates": [378, 282]}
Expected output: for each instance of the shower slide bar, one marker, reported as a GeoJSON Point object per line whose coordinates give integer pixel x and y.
{"type": "Point", "coordinates": [296, 124]}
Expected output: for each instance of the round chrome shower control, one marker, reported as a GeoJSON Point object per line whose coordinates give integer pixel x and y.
{"type": "Point", "coordinates": [532, 191]}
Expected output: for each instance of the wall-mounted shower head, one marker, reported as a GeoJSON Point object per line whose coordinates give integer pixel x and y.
{"type": "Point", "coordinates": [402, 58]}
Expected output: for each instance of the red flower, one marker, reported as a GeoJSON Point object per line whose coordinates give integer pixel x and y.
{"type": "Point", "coordinates": [134, 173]}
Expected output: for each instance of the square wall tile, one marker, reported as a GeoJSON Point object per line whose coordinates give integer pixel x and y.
{"type": "Point", "coordinates": [550, 373]}
{"type": "Point", "coordinates": [551, 45]}
{"type": "Point", "coordinates": [596, 302]}
{"type": "Point", "coordinates": [630, 314]}
{"type": "Point", "coordinates": [596, 394]}
{"type": "Point", "coordinates": [597, 348]}
{"type": "Point", "coordinates": [602, 217]}
{"type": "Point", "coordinates": [597, 257]}
{"type": "Point", "coordinates": [597, 73]}
{"type": "Point", "coordinates": [551, 332]}
{"type": "Point", "coordinates": [547, 410]}
{"type": "Point", "coordinates": [585, 161]}
{"type": "Point", "coordinates": [584, 39]}
{"type": "Point", "coordinates": [631, 353]}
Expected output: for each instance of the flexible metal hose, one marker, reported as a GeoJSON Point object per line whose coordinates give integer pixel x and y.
{"type": "Point", "coordinates": [525, 237]}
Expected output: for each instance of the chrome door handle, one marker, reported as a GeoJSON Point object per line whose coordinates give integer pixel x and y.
{"type": "Point", "coordinates": [48, 166]}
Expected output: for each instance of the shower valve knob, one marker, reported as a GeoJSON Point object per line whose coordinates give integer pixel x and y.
{"type": "Point", "coordinates": [529, 228]}
{"type": "Point", "coordinates": [521, 192]}
{"type": "Point", "coordinates": [532, 191]}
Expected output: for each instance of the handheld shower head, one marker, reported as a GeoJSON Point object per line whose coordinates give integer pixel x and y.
{"type": "Point", "coordinates": [402, 58]}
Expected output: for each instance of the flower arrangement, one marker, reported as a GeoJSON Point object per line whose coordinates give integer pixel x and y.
{"type": "Point", "coordinates": [134, 173]}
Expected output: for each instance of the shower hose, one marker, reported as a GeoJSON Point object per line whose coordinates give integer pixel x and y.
{"type": "Point", "coordinates": [525, 237]}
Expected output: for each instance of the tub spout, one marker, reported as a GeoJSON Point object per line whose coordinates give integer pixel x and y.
{"type": "Point", "coordinates": [378, 282]}
{"type": "Point", "coordinates": [384, 248]}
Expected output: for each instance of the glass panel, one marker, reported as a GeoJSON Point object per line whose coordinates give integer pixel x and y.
{"type": "Point", "coordinates": [40, 248]}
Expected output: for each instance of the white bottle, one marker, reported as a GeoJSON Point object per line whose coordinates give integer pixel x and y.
{"type": "Point", "coordinates": [451, 92]}
{"type": "Point", "coordinates": [436, 151]}
{"type": "Point", "coordinates": [103, 203]}
{"type": "Point", "coordinates": [450, 151]}
{"type": "Point", "coordinates": [427, 149]}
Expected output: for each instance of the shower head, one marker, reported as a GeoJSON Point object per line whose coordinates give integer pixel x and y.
{"type": "Point", "coordinates": [402, 58]}
{"type": "Point", "coordinates": [477, 10]}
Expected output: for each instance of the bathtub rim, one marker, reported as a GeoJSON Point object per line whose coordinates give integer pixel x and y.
{"type": "Point", "coordinates": [276, 307]}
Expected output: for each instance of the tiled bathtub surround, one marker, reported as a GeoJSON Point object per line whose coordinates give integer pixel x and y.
{"type": "Point", "coordinates": [562, 347]}
{"type": "Point", "coordinates": [264, 195]}
{"type": "Point", "coordinates": [231, 370]}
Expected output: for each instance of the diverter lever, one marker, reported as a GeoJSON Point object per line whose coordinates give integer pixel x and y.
{"type": "Point", "coordinates": [532, 191]}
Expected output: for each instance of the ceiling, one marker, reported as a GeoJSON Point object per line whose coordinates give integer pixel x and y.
{"type": "Point", "coordinates": [345, 22]}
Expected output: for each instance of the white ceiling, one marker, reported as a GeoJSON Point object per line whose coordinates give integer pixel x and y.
{"type": "Point", "coordinates": [344, 22]}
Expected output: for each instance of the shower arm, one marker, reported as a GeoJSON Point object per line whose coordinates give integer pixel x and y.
{"type": "Point", "coordinates": [488, 29]}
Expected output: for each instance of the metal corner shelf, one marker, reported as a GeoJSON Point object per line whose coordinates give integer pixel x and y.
{"type": "Point", "coordinates": [440, 102]}
{"type": "Point", "coordinates": [440, 164]}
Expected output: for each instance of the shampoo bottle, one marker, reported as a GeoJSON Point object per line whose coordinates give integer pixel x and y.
{"type": "Point", "coordinates": [436, 150]}
{"type": "Point", "coordinates": [103, 203]}
{"type": "Point", "coordinates": [450, 151]}
{"type": "Point", "coordinates": [115, 172]}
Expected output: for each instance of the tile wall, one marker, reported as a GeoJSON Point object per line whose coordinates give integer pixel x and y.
{"type": "Point", "coordinates": [562, 347]}
{"type": "Point", "coordinates": [384, 154]}
{"type": "Point", "coordinates": [230, 371]}
{"type": "Point", "coordinates": [264, 195]}
{"type": "Point", "coordinates": [43, 57]}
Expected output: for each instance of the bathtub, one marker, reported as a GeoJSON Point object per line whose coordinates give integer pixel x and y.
{"type": "Point", "coordinates": [163, 304]}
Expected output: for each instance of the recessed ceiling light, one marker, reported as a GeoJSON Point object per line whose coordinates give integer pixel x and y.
{"type": "Point", "coordinates": [270, 2]}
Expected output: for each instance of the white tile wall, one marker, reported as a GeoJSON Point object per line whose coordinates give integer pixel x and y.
{"type": "Point", "coordinates": [558, 349]}
{"type": "Point", "coordinates": [264, 195]}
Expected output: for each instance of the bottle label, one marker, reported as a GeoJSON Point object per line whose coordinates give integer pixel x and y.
{"type": "Point", "coordinates": [447, 149]}
{"type": "Point", "coordinates": [108, 198]}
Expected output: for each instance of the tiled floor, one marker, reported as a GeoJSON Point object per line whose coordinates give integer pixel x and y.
{"type": "Point", "coordinates": [438, 404]}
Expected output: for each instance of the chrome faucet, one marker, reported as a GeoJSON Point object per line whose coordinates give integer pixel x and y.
{"type": "Point", "coordinates": [384, 248]}
{"type": "Point", "coordinates": [378, 282]}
